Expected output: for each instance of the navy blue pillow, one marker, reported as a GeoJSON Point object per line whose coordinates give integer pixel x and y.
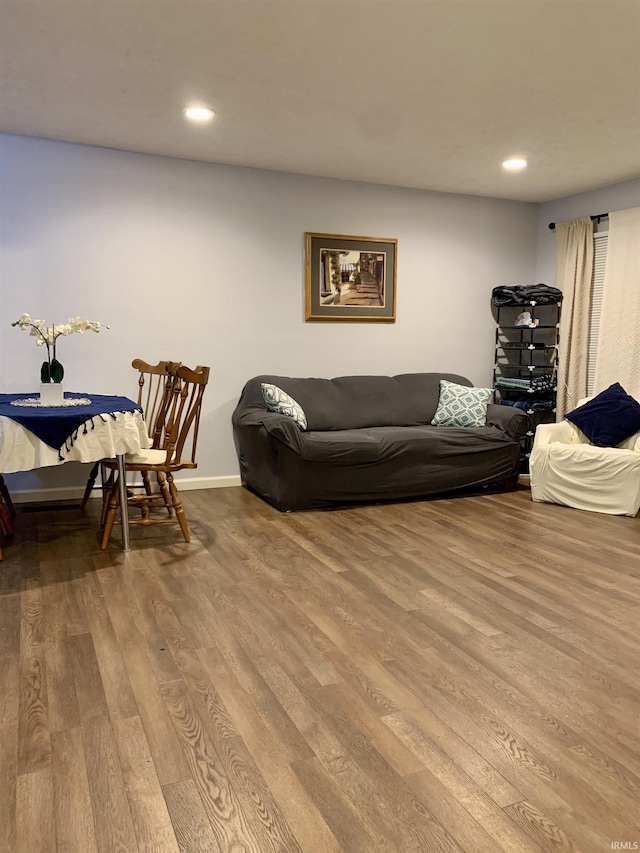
{"type": "Point", "coordinates": [610, 418]}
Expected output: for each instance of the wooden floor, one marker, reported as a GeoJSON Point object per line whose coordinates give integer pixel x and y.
{"type": "Point", "coordinates": [439, 676]}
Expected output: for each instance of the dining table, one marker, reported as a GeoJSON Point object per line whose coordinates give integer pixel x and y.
{"type": "Point", "coordinates": [85, 428]}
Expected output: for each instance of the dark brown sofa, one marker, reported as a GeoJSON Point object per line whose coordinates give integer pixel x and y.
{"type": "Point", "coordinates": [368, 438]}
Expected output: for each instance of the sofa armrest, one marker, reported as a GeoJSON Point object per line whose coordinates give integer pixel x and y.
{"type": "Point", "coordinates": [564, 432]}
{"type": "Point", "coordinates": [631, 443]}
{"type": "Point", "coordinates": [284, 429]}
{"type": "Point", "coordinates": [280, 427]}
{"type": "Point", "coordinates": [511, 421]}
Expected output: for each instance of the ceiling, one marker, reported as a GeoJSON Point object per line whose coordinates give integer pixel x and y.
{"type": "Point", "coordinates": [431, 94]}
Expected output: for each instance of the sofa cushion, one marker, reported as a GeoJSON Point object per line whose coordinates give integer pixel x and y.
{"type": "Point", "coordinates": [344, 446]}
{"type": "Point", "coordinates": [440, 445]}
{"type": "Point", "coordinates": [279, 401]}
{"type": "Point", "coordinates": [354, 402]}
{"type": "Point", "coordinates": [609, 418]}
{"type": "Point", "coordinates": [461, 406]}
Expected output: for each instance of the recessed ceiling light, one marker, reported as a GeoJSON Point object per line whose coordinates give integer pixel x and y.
{"type": "Point", "coordinates": [199, 114]}
{"type": "Point", "coordinates": [515, 164]}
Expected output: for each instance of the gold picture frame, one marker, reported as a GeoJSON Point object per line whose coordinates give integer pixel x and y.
{"type": "Point", "coordinates": [350, 278]}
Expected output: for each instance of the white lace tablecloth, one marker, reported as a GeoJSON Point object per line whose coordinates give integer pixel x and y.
{"type": "Point", "coordinates": [21, 450]}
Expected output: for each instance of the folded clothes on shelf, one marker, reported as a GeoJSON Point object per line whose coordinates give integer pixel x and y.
{"type": "Point", "coordinates": [543, 383]}
{"type": "Point", "coordinates": [530, 405]}
{"type": "Point", "coordinates": [513, 382]}
{"type": "Point", "coordinates": [522, 294]}
{"type": "Point", "coordinates": [536, 383]}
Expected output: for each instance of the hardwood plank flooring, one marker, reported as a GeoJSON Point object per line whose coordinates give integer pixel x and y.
{"type": "Point", "coordinates": [447, 676]}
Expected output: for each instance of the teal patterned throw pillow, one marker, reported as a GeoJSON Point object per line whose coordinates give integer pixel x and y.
{"type": "Point", "coordinates": [278, 401]}
{"type": "Point", "coordinates": [461, 406]}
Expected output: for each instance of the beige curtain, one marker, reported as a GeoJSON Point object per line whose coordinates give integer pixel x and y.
{"type": "Point", "coordinates": [574, 268]}
{"type": "Point", "coordinates": [618, 354]}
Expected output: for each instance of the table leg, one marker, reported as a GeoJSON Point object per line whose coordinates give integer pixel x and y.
{"type": "Point", "coordinates": [124, 506]}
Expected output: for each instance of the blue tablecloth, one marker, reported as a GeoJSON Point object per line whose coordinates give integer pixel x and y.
{"type": "Point", "coordinates": [58, 426]}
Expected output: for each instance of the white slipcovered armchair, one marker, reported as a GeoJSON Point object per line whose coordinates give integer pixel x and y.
{"type": "Point", "coordinates": [565, 468]}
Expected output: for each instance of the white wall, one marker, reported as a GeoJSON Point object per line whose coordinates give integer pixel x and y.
{"type": "Point", "coordinates": [614, 197]}
{"type": "Point", "coordinates": [204, 264]}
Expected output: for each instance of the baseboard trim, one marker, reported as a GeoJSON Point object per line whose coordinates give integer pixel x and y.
{"type": "Point", "coordinates": [72, 493]}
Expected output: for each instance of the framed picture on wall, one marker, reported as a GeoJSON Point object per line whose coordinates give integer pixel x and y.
{"type": "Point", "coordinates": [350, 278]}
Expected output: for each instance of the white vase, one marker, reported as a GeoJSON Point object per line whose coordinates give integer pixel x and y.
{"type": "Point", "coordinates": [51, 393]}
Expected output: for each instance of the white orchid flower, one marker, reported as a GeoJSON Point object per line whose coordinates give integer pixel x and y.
{"type": "Point", "coordinates": [47, 335]}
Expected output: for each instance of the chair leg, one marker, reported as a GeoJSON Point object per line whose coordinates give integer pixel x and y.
{"type": "Point", "coordinates": [145, 505]}
{"type": "Point", "coordinates": [5, 522]}
{"type": "Point", "coordinates": [177, 505]}
{"type": "Point", "coordinates": [6, 497]}
{"type": "Point", "coordinates": [112, 511]}
{"type": "Point", "coordinates": [147, 482]}
{"type": "Point", "coordinates": [106, 494]}
{"type": "Point", "coordinates": [89, 487]}
{"type": "Point", "coordinates": [103, 481]}
{"type": "Point", "coordinates": [164, 489]}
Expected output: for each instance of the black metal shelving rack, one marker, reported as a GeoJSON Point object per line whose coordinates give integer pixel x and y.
{"type": "Point", "coordinates": [528, 354]}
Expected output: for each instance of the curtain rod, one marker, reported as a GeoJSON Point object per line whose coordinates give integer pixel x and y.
{"type": "Point", "coordinates": [596, 218]}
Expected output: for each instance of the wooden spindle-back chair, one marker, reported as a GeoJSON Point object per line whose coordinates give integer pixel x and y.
{"type": "Point", "coordinates": [152, 379]}
{"type": "Point", "coordinates": [173, 426]}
